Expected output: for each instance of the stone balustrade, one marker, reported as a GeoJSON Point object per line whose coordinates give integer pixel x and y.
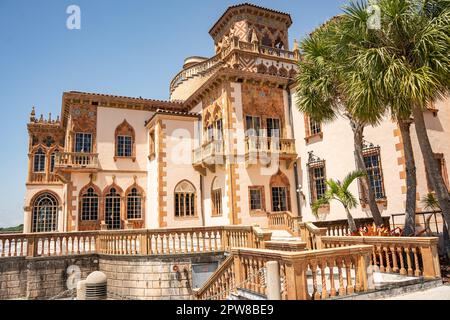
{"type": "Point", "coordinates": [317, 274]}
{"type": "Point", "coordinates": [312, 235]}
{"type": "Point", "coordinates": [413, 256]}
{"type": "Point", "coordinates": [341, 228]}
{"type": "Point", "coordinates": [227, 53]}
{"type": "Point", "coordinates": [284, 220]}
{"type": "Point", "coordinates": [76, 160]}
{"type": "Point", "coordinates": [132, 242]}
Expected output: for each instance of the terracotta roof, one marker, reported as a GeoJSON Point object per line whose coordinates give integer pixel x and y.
{"type": "Point", "coordinates": [249, 5]}
{"type": "Point", "coordinates": [173, 113]}
{"type": "Point", "coordinates": [125, 97]}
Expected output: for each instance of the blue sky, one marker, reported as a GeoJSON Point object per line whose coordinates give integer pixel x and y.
{"type": "Point", "coordinates": [130, 48]}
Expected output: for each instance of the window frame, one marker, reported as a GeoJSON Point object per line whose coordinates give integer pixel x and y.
{"type": "Point", "coordinates": [216, 201]}
{"type": "Point", "coordinates": [92, 215]}
{"type": "Point", "coordinates": [138, 199]}
{"type": "Point", "coordinates": [312, 166]}
{"type": "Point", "coordinates": [262, 202]}
{"type": "Point", "coordinates": [83, 136]}
{"type": "Point", "coordinates": [124, 146]}
{"type": "Point", "coordinates": [371, 152]}
{"type": "Point", "coordinates": [185, 202]}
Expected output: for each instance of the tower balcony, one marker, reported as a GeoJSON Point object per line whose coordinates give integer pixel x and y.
{"type": "Point", "coordinates": [267, 150]}
{"type": "Point", "coordinates": [208, 156]}
{"type": "Point", "coordinates": [76, 162]}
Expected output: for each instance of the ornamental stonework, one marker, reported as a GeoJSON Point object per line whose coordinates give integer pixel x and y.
{"type": "Point", "coordinates": [265, 102]}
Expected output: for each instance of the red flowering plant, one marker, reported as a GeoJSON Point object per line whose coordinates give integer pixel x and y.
{"type": "Point", "coordinates": [377, 231]}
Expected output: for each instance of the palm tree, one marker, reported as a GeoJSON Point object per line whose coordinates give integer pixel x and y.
{"type": "Point", "coordinates": [339, 191]}
{"type": "Point", "coordinates": [409, 57]}
{"type": "Point", "coordinates": [355, 33]}
{"type": "Point", "coordinates": [323, 83]}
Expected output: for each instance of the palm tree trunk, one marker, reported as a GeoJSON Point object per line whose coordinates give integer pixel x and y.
{"type": "Point", "coordinates": [351, 221]}
{"type": "Point", "coordinates": [358, 131]}
{"type": "Point", "coordinates": [411, 178]}
{"type": "Point", "coordinates": [434, 171]}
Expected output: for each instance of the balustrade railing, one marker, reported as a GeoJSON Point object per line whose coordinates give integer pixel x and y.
{"type": "Point", "coordinates": [256, 144]}
{"type": "Point", "coordinates": [212, 152]}
{"type": "Point", "coordinates": [412, 256]}
{"type": "Point", "coordinates": [341, 228]}
{"type": "Point", "coordinates": [132, 242]}
{"type": "Point", "coordinates": [312, 235]}
{"type": "Point", "coordinates": [76, 160]}
{"type": "Point", "coordinates": [284, 220]}
{"type": "Point", "coordinates": [317, 274]}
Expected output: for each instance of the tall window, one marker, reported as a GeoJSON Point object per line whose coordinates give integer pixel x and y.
{"type": "Point", "coordinates": [279, 187]}
{"type": "Point", "coordinates": [112, 209]}
{"type": "Point", "coordinates": [39, 161]}
{"type": "Point", "coordinates": [89, 205]}
{"type": "Point", "coordinates": [372, 162]}
{"type": "Point", "coordinates": [124, 146]}
{"type": "Point", "coordinates": [216, 196]}
{"type": "Point", "coordinates": [134, 204]}
{"type": "Point", "coordinates": [185, 200]}
{"type": "Point", "coordinates": [52, 160]}
{"type": "Point", "coordinates": [279, 199]}
{"type": "Point", "coordinates": [219, 130]}
{"type": "Point", "coordinates": [83, 142]}
{"type": "Point", "coordinates": [253, 125]}
{"type": "Point", "coordinates": [45, 213]}
{"type": "Point", "coordinates": [256, 195]}
{"type": "Point", "coordinates": [317, 178]}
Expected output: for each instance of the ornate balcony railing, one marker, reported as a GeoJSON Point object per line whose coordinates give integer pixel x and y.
{"type": "Point", "coordinates": [223, 56]}
{"type": "Point", "coordinates": [210, 153]}
{"type": "Point", "coordinates": [256, 144]}
{"type": "Point", "coordinates": [76, 161]}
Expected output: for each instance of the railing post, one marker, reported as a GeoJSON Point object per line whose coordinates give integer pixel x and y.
{"type": "Point", "coordinates": [273, 281]}
{"type": "Point", "coordinates": [144, 243]}
{"type": "Point", "coordinates": [31, 250]}
{"type": "Point", "coordinates": [224, 239]}
{"type": "Point", "coordinates": [296, 281]}
{"type": "Point", "coordinates": [237, 267]}
{"type": "Point", "coordinates": [430, 258]}
{"type": "Point", "coordinates": [363, 264]}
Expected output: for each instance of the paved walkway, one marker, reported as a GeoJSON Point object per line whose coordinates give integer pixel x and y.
{"type": "Point", "coordinates": [439, 293]}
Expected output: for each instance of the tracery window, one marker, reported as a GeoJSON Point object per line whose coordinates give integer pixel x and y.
{"type": "Point", "coordinates": [185, 200]}
{"type": "Point", "coordinates": [216, 198]}
{"type": "Point", "coordinates": [134, 204]}
{"type": "Point", "coordinates": [317, 178]}
{"type": "Point", "coordinates": [45, 213]}
{"type": "Point", "coordinates": [89, 205]}
{"type": "Point", "coordinates": [279, 185]}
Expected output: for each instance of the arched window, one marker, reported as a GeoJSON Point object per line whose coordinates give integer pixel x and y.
{"type": "Point", "coordinates": [39, 161]}
{"type": "Point", "coordinates": [45, 213]}
{"type": "Point", "coordinates": [185, 200]}
{"type": "Point", "coordinates": [112, 209]}
{"type": "Point", "coordinates": [134, 204]}
{"type": "Point", "coordinates": [125, 144]}
{"type": "Point", "coordinates": [89, 205]}
{"type": "Point", "coordinates": [279, 185]}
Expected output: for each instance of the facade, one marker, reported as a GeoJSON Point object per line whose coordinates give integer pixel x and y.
{"type": "Point", "coordinates": [228, 148]}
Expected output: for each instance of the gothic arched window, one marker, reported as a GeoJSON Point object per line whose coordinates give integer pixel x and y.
{"type": "Point", "coordinates": [185, 200]}
{"type": "Point", "coordinates": [45, 213]}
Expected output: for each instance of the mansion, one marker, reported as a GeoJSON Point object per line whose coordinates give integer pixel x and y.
{"type": "Point", "coordinates": [229, 147]}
